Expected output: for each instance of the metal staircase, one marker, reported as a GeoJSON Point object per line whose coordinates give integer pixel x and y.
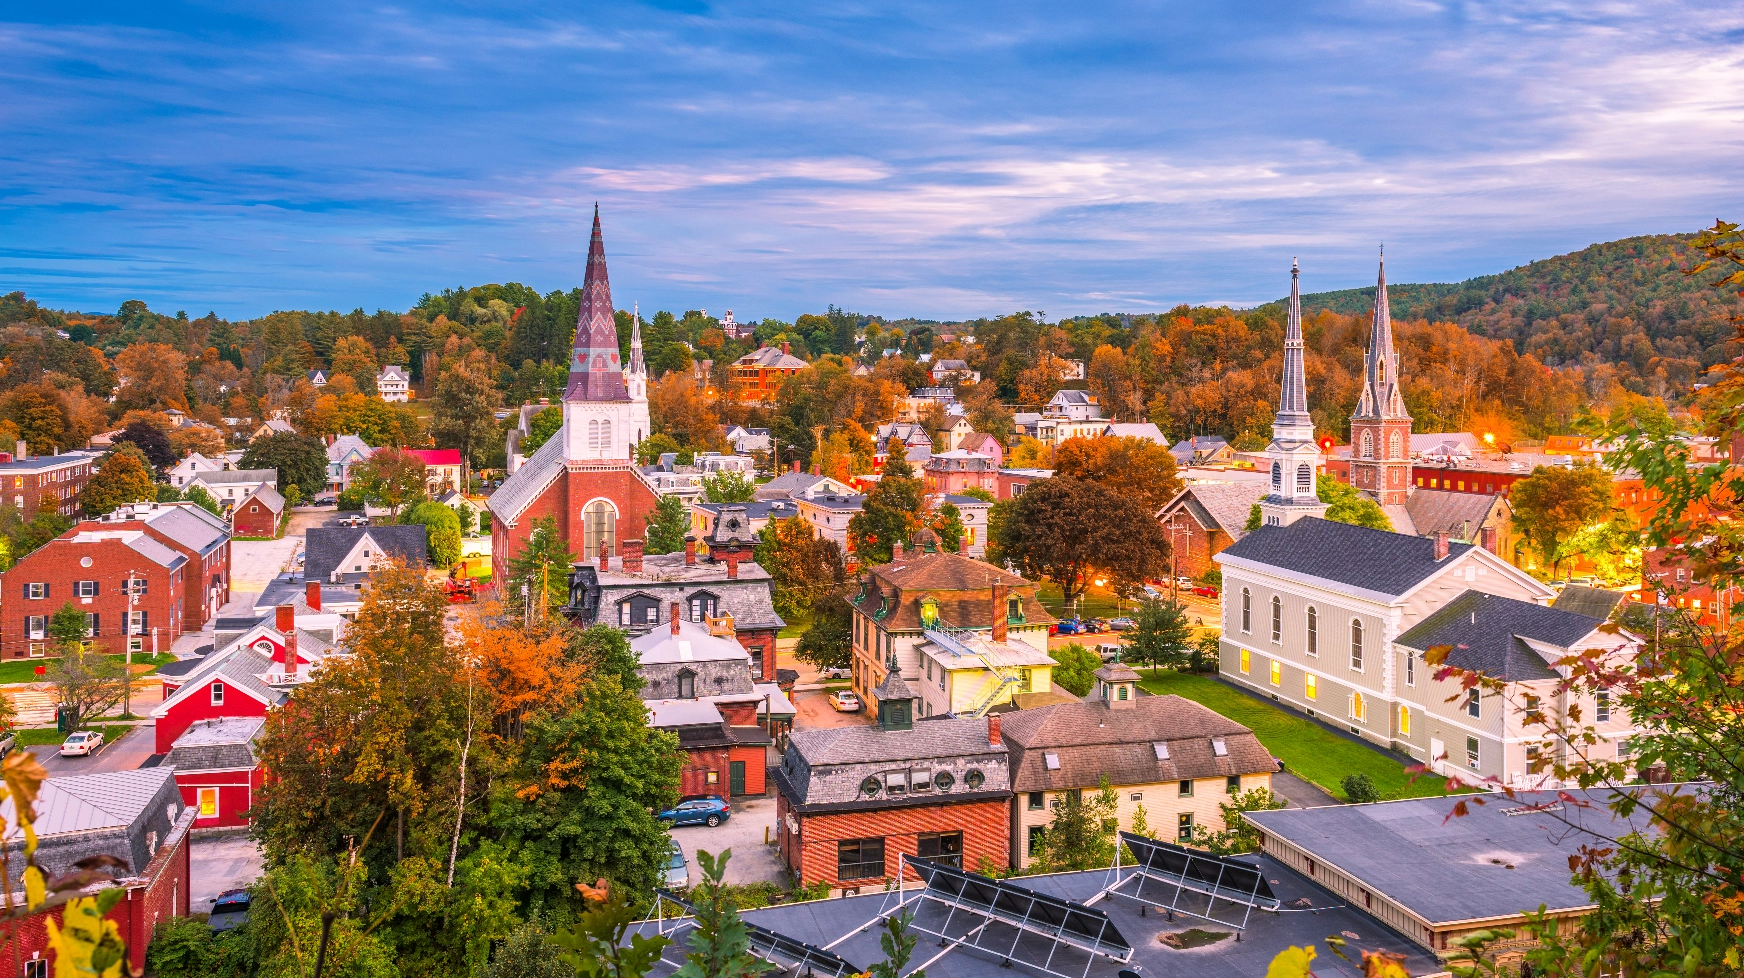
{"type": "Point", "coordinates": [955, 639]}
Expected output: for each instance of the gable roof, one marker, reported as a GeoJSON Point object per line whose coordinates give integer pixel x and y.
{"type": "Point", "coordinates": [327, 546]}
{"type": "Point", "coordinates": [1443, 509]}
{"type": "Point", "coordinates": [790, 485]}
{"type": "Point", "coordinates": [223, 744]}
{"type": "Point", "coordinates": [190, 526]}
{"type": "Point", "coordinates": [1219, 505]}
{"type": "Point", "coordinates": [1594, 602]}
{"type": "Point", "coordinates": [236, 476]}
{"type": "Point", "coordinates": [392, 372]}
{"type": "Point", "coordinates": [1090, 740]}
{"type": "Point", "coordinates": [528, 482]}
{"type": "Point", "coordinates": [1374, 560]}
{"type": "Point", "coordinates": [345, 444]}
{"type": "Point", "coordinates": [135, 540]}
{"type": "Point", "coordinates": [266, 494]}
{"type": "Point", "coordinates": [1147, 430]}
{"type": "Point", "coordinates": [239, 667]}
{"type": "Point", "coordinates": [1072, 397]}
{"type": "Point", "coordinates": [1485, 633]}
{"type": "Point", "coordinates": [90, 802]}
{"type": "Point", "coordinates": [944, 737]}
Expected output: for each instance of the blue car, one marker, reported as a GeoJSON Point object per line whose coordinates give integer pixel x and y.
{"type": "Point", "coordinates": [1071, 626]}
{"type": "Point", "coordinates": [710, 811]}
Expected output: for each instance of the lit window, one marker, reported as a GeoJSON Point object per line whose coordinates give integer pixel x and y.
{"type": "Point", "coordinates": [1358, 709]}
{"type": "Point", "coordinates": [1405, 721]}
{"type": "Point", "coordinates": [1277, 673]}
{"type": "Point", "coordinates": [208, 802]}
{"type": "Point", "coordinates": [1310, 687]}
{"type": "Point", "coordinates": [1245, 663]}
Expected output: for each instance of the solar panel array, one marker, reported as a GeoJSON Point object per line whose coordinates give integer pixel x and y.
{"type": "Point", "coordinates": [1224, 877]}
{"type": "Point", "coordinates": [807, 958]}
{"type": "Point", "coordinates": [1074, 924]}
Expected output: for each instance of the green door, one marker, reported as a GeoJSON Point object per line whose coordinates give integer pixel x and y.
{"type": "Point", "coordinates": [736, 777]}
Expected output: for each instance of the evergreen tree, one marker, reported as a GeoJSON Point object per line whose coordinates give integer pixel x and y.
{"type": "Point", "coordinates": [891, 513]}
{"type": "Point", "coordinates": [667, 526]}
{"type": "Point", "coordinates": [1163, 638]}
{"type": "Point", "coordinates": [542, 565]}
{"type": "Point", "coordinates": [720, 946]}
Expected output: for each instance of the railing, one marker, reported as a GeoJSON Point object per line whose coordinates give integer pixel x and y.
{"type": "Point", "coordinates": [957, 641]}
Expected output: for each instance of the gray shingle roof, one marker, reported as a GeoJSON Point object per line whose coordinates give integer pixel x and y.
{"type": "Point", "coordinates": [948, 737]}
{"type": "Point", "coordinates": [267, 495]}
{"type": "Point", "coordinates": [1092, 740]}
{"type": "Point", "coordinates": [237, 476]}
{"type": "Point", "coordinates": [156, 552]}
{"type": "Point", "coordinates": [1374, 560]}
{"type": "Point", "coordinates": [1224, 504]}
{"type": "Point", "coordinates": [1484, 631]}
{"type": "Point", "coordinates": [530, 481]}
{"type": "Point", "coordinates": [93, 801]}
{"type": "Point", "coordinates": [1593, 602]}
{"type": "Point", "coordinates": [666, 578]}
{"type": "Point", "coordinates": [190, 526]}
{"type": "Point", "coordinates": [326, 546]}
{"type": "Point", "coordinates": [216, 745]}
{"type": "Point", "coordinates": [784, 486]}
{"type": "Point", "coordinates": [1460, 514]}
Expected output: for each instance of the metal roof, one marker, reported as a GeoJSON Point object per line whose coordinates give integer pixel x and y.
{"type": "Point", "coordinates": [89, 802]}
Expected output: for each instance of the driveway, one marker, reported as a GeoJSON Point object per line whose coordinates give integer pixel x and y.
{"type": "Point", "coordinates": [815, 711]}
{"type": "Point", "coordinates": [255, 562]}
{"type": "Point", "coordinates": [123, 754]}
{"type": "Point", "coordinates": [744, 832]}
{"type": "Point", "coordinates": [218, 863]}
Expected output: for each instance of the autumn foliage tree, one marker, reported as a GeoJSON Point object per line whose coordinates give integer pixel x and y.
{"type": "Point", "coordinates": [1065, 529]}
{"type": "Point", "coordinates": [1137, 468]}
{"type": "Point", "coordinates": [391, 477]}
{"type": "Point", "coordinates": [891, 512]}
{"type": "Point", "coordinates": [1554, 504]}
{"type": "Point", "coordinates": [123, 476]}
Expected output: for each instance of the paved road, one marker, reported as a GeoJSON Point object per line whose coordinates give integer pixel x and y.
{"type": "Point", "coordinates": [124, 754]}
{"type": "Point", "coordinates": [1301, 793]}
{"type": "Point", "coordinates": [815, 712]}
{"type": "Point", "coordinates": [218, 863]}
{"type": "Point", "coordinates": [743, 833]}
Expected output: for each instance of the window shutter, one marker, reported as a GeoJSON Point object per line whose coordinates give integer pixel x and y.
{"type": "Point", "coordinates": [96, 624]}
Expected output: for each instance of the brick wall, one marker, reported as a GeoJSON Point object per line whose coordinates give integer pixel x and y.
{"type": "Point", "coordinates": [699, 765]}
{"type": "Point", "coordinates": [61, 562]}
{"type": "Point", "coordinates": [563, 502]}
{"type": "Point", "coordinates": [812, 853]}
{"type": "Point", "coordinates": [1194, 544]}
{"type": "Point", "coordinates": [55, 489]}
{"type": "Point", "coordinates": [760, 642]}
{"type": "Point", "coordinates": [253, 518]}
{"type": "Point", "coordinates": [199, 604]}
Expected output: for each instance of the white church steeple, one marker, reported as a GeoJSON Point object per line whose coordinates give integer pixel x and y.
{"type": "Point", "coordinates": [1295, 458]}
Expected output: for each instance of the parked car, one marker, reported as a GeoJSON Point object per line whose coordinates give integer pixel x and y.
{"type": "Point", "coordinates": [1071, 626]}
{"type": "Point", "coordinates": [229, 911]}
{"type": "Point", "coordinates": [710, 811]}
{"type": "Point", "coordinates": [1184, 583]}
{"type": "Point", "coordinates": [8, 740]}
{"type": "Point", "coordinates": [839, 672]}
{"type": "Point", "coordinates": [1205, 591]}
{"type": "Point", "coordinates": [83, 743]}
{"type": "Point", "coordinates": [677, 873]}
{"type": "Point", "coordinates": [1122, 623]}
{"type": "Point", "coordinates": [325, 499]}
{"type": "Point", "coordinates": [354, 521]}
{"type": "Point", "coordinates": [845, 701]}
{"type": "Point", "coordinates": [1110, 651]}
{"type": "Point", "coordinates": [1054, 629]}
{"type": "Point", "coordinates": [1152, 593]}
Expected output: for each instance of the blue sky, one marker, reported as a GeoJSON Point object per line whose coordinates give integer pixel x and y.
{"type": "Point", "coordinates": [941, 161]}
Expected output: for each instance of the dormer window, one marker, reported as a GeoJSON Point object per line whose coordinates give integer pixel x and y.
{"type": "Point", "coordinates": [686, 684]}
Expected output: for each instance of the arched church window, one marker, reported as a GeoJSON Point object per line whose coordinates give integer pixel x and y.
{"type": "Point", "coordinates": [593, 437]}
{"type": "Point", "coordinates": [1304, 478]}
{"type": "Point", "coordinates": [605, 438]}
{"type": "Point", "coordinates": [599, 521]}
{"type": "Point", "coordinates": [1396, 446]}
{"type": "Point", "coordinates": [1368, 445]}
{"type": "Point", "coordinates": [1277, 476]}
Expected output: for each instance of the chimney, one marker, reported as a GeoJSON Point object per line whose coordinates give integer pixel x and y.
{"type": "Point", "coordinates": [285, 619]}
{"type": "Point", "coordinates": [544, 402]}
{"type": "Point", "coordinates": [784, 347]}
{"type": "Point", "coordinates": [732, 564]}
{"type": "Point", "coordinates": [999, 615]}
{"type": "Point", "coordinates": [817, 469]}
{"type": "Point", "coordinates": [993, 729]}
{"type": "Point", "coordinates": [1488, 536]}
{"type": "Point", "coordinates": [961, 537]}
{"type": "Point", "coordinates": [23, 449]}
{"type": "Point", "coordinates": [676, 611]}
{"type": "Point", "coordinates": [1440, 544]}
{"type": "Point", "coordinates": [897, 551]}
{"type": "Point", "coordinates": [689, 550]}
{"type": "Point", "coordinates": [796, 465]}
{"type": "Point", "coordinates": [312, 594]}
{"type": "Point", "coordinates": [631, 550]}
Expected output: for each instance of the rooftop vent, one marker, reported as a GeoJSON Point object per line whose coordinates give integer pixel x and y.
{"type": "Point", "coordinates": [1555, 806]}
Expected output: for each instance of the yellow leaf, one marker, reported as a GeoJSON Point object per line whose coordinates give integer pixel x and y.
{"type": "Point", "coordinates": [1292, 962]}
{"type": "Point", "coordinates": [1380, 964]}
{"type": "Point", "coordinates": [35, 888]}
{"type": "Point", "coordinates": [24, 776]}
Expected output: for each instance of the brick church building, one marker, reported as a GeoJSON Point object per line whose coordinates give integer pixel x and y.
{"type": "Point", "coordinates": [585, 477]}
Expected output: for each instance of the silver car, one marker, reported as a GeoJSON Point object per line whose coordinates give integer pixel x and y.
{"type": "Point", "coordinates": [677, 872]}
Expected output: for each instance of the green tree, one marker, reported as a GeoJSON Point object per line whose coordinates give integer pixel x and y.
{"type": "Point", "coordinates": [804, 566]}
{"type": "Point", "coordinates": [198, 495]}
{"type": "Point", "coordinates": [1081, 834]}
{"type": "Point", "coordinates": [720, 946]}
{"type": "Point", "coordinates": [1344, 504]}
{"type": "Point", "coordinates": [828, 643]}
{"type": "Point", "coordinates": [649, 449]}
{"type": "Point", "coordinates": [1359, 788]}
{"type": "Point", "coordinates": [728, 487]}
{"type": "Point", "coordinates": [977, 492]}
{"type": "Point", "coordinates": [1238, 835]}
{"type": "Point", "coordinates": [300, 460]}
{"type": "Point", "coordinates": [465, 414]}
{"type": "Point", "coordinates": [595, 946]}
{"type": "Point", "coordinates": [667, 526]}
{"type": "Point", "coordinates": [1063, 529]}
{"type": "Point", "coordinates": [1075, 668]}
{"type": "Point", "coordinates": [67, 625]}
{"type": "Point", "coordinates": [540, 429]}
{"type": "Point", "coordinates": [1553, 505]}
{"type": "Point", "coordinates": [891, 512]}
{"type": "Point", "coordinates": [87, 684]}
{"type": "Point", "coordinates": [947, 523]}
{"type": "Point", "coordinates": [542, 565]}
{"type": "Point", "coordinates": [122, 477]}
{"type": "Point", "coordinates": [391, 477]}
{"type": "Point", "coordinates": [441, 530]}
{"type": "Point", "coordinates": [1162, 638]}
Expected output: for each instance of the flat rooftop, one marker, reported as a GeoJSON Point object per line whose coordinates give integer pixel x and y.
{"type": "Point", "coordinates": [823, 922]}
{"type": "Point", "coordinates": [1503, 857]}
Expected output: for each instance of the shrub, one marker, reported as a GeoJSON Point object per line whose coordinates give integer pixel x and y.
{"type": "Point", "coordinates": [351, 498]}
{"type": "Point", "coordinates": [1359, 788]}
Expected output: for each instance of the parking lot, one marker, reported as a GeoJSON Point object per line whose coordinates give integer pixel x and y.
{"type": "Point", "coordinates": [743, 832]}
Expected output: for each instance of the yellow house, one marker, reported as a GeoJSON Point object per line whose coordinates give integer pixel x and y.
{"type": "Point", "coordinates": [1177, 759]}
{"type": "Point", "coordinates": [970, 673]}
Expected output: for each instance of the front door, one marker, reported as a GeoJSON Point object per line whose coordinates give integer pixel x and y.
{"type": "Point", "coordinates": [736, 777]}
{"type": "Point", "coordinates": [1436, 749]}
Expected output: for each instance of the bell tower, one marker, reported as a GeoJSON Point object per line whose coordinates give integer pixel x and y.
{"type": "Point", "coordinates": [1295, 458]}
{"type": "Point", "coordinates": [1380, 428]}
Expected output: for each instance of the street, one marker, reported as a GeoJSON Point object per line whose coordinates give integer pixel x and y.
{"type": "Point", "coordinates": [124, 754]}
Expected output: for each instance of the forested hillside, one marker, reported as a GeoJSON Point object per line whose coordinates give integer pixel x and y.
{"type": "Point", "coordinates": [1625, 302]}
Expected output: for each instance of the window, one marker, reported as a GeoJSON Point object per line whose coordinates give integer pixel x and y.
{"type": "Point", "coordinates": [91, 624]}
{"type": "Point", "coordinates": [1232, 784]}
{"type": "Point", "coordinates": [1034, 843]}
{"type": "Point", "coordinates": [946, 847]}
{"type": "Point", "coordinates": [1035, 801]}
{"type": "Point", "coordinates": [1405, 721]}
{"type": "Point", "coordinates": [1184, 827]}
{"type": "Point", "coordinates": [135, 622]}
{"type": "Point", "coordinates": [217, 694]}
{"type": "Point", "coordinates": [85, 589]}
{"type": "Point", "coordinates": [1277, 477]}
{"type": "Point", "coordinates": [1024, 686]}
{"type": "Point", "coordinates": [1313, 631]}
{"type": "Point", "coordinates": [859, 859]}
{"type": "Point", "coordinates": [1532, 758]}
{"type": "Point", "coordinates": [1603, 706]}
{"type": "Point", "coordinates": [1304, 479]}
{"type": "Point", "coordinates": [1356, 648]}
{"type": "Point", "coordinates": [1358, 709]}
{"type": "Point", "coordinates": [36, 592]}
{"type": "Point", "coordinates": [1246, 610]}
{"type": "Point", "coordinates": [1471, 753]}
{"type": "Point", "coordinates": [208, 802]}
{"type": "Point", "coordinates": [1368, 445]}
{"type": "Point", "coordinates": [1277, 618]}
{"type": "Point", "coordinates": [1277, 673]}
{"type": "Point", "coordinates": [1410, 668]}
{"type": "Point", "coordinates": [624, 613]}
{"type": "Point", "coordinates": [1395, 446]}
{"type": "Point", "coordinates": [36, 626]}
{"type": "Point", "coordinates": [1186, 788]}
{"type": "Point", "coordinates": [37, 968]}
{"type": "Point", "coordinates": [686, 685]}
{"type": "Point", "coordinates": [1310, 687]}
{"type": "Point", "coordinates": [136, 645]}
{"type": "Point", "coordinates": [1471, 703]}
{"type": "Point", "coordinates": [1624, 749]}
{"type": "Point", "coordinates": [599, 529]}
{"type": "Point", "coordinates": [1245, 662]}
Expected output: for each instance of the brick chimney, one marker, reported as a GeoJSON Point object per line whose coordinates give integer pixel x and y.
{"type": "Point", "coordinates": [993, 729]}
{"type": "Point", "coordinates": [285, 620]}
{"type": "Point", "coordinates": [631, 550]}
{"type": "Point", "coordinates": [961, 541]}
{"type": "Point", "coordinates": [689, 550]}
{"type": "Point", "coordinates": [1440, 539]}
{"type": "Point", "coordinates": [896, 552]}
{"type": "Point", "coordinates": [312, 595]}
{"type": "Point", "coordinates": [732, 564]}
{"type": "Point", "coordinates": [676, 611]}
{"type": "Point", "coordinates": [817, 469]}
{"type": "Point", "coordinates": [784, 347]}
{"type": "Point", "coordinates": [796, 465]}
{"type": "Point", "coordinates": [1488, 536]}
{"type": "Point", "coordinates": [999, 616]}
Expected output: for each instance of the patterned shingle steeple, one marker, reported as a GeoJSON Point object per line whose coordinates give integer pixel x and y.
{"type": "Point", "coordinates": [594, 371]}
{"type": "Point", "coordinates": [1381, 399]}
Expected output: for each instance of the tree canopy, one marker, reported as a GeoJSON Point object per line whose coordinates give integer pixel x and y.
{"type": "Point", "coordinates": [1063, 529]}
{"type": "Point", "coordinates": [300, 460]}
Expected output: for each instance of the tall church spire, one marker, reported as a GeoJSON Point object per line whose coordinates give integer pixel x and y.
{"type": "Point", "coordinates": [1380, 394]}
{"type": "Point", "coordinates": [637, 366]}
{"type": "Point", "coordinates": [1294, 456]}
{"type": "Point", "coordinates": [594, 371]}
{"type": "Point", "coordinates": [1293, 402]}
{"type": "Point", "coordinates": [1380, 428]}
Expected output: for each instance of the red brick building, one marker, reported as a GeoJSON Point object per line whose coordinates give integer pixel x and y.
{"type": "Point", "coordinates": [951, 472]}
{"type": "Point", "coordinates": [852, 800]}
{"type": "Point", "coordinates": [259, 514]}
{"type": "Point", "coordinates": [134, 816]}
{"type": "Point", "coordinates": [195, 534]}
{"type": "Point", "coordinates": [1203, 519]}
{"type": "Point", "coordinates": [52, 482]}
{"type": "Point", "coordinates": [1010, 483]}
{"type": "Point", "coordinates": [131, 587]}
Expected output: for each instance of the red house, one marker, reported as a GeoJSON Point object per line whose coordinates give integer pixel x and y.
{"type": "Point", "coordinates": [216, 769]}
{"type": "Point", "coordinates": [258, 515]}
{"type": "Point", "coordinates": [130, 586]}
{"type": "Point", "coordinates": [246, 678]}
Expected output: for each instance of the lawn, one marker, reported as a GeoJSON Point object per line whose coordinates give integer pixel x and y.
{"type": "Point", "coordinates": [795, 627]}
{"type": "Point", "coordinates": [1306, 748]}
{"type": "Point", "coordinates": [24, 670]}
{"type": "Point", "coordinates": [1096, 602]}
{"type": "Point", "coordinates": [39, 736]}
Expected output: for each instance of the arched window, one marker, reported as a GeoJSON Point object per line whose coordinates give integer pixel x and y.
{"type": "Point", "coordinates": [1405, 721]}
{"type": "Point", "coordinates": [1358, 710]}
{"type": "Point", "coordinates": [1304, 478]}
{"type": "Point", "coordinates": [1396, 446]}
{"type": "Point", "coordinates": [1277, 477]}
{"type": "Point", "coordinates": [593, 437]}
{"type": "Point", "coordinates": [1277, 618]}
{"type": "Point", "coordinates": [1368, 444]}
{"type": "Point", "coordinates": [1313, 631]}
{"type": "Point", "coordinates": [599, 522]}
{"type": "Point", "coordinates": [1356, 650]}
{"type": "Point", "coordinates": [605, 438]}
{"type": "Point", "coordinates": [1246, 610]}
